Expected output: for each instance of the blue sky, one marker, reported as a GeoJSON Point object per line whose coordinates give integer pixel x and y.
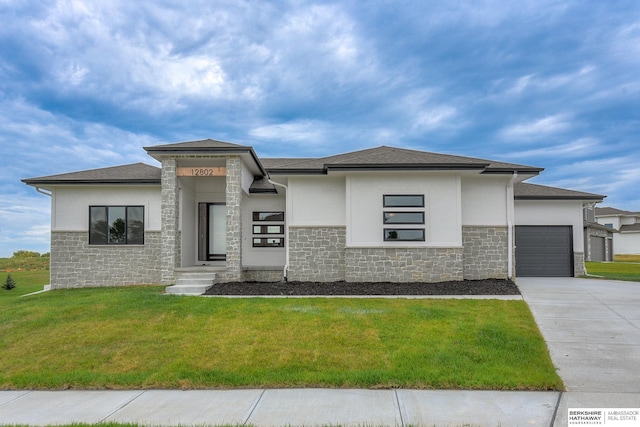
{"type": "Point", "coordinates": [547, 83]}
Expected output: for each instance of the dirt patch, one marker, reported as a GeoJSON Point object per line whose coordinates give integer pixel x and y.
{"type": "Point", "coordinates": [464, 287]}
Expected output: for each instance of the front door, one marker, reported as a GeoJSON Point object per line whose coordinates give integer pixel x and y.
{"type": "Point", "coordinates": [212, 231]}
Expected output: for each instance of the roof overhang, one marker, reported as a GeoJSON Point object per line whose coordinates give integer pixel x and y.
{"type": "Point", "coordinates": [247, 154]}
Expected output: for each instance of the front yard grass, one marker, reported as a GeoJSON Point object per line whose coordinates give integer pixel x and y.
{"type": "Point", "coordinates": [615, 270]}
{"type": "Point", "coordinates": [137, 338]}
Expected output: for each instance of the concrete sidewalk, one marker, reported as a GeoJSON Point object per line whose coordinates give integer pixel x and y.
{"type": "Point", "coordinates": [282, 407]}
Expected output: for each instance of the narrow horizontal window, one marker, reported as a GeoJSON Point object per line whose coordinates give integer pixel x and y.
{"type": "Point", "coordinates": [403, 201]}
{"type": "Point", "coordinates": [268, 242]}
{"type": "Point", "coordinates": [268, 216]}
{"type": "Point", "coordinates": [403, 218]}
{"type": "Point", "coordinates": [268, 229]}
{"type": "Point", "coordinates": [404, 235]}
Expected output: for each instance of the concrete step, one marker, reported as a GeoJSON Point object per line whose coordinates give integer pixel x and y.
{"type": "Point", "coordinates": [191, 283]}
{"type": "Point", "coordinates": [186, 289]}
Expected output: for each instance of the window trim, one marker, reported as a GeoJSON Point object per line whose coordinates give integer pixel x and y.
{"type": "Point", "coordinates": [126, 221]}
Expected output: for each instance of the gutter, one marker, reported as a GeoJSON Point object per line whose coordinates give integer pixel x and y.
{"type": "Point", "coordinates": [43, 191]}
{"type": "Point", "coordinates": [286, 230]}
{"type": "Point", "coordinates": [510, 215]}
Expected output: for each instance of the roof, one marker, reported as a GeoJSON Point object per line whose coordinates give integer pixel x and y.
{"type": "Point", "coordinates": [589, 224]}
{"type": "Point", "coordinates": [630, 227]}
{"type": "Point", "coordinates": [206, 146]}
{"type": "Point", "coordinates": [526, 191]}
{"type": "Point", "coordinates": [391, 158]}
{"type": "Point", "coordinates": [135, 173]}
{"type": "Point", "coordinates": [607, 211]}
{"type": "Point", "coordinates": [200, 145]}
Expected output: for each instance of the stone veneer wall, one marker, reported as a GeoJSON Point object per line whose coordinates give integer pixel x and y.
{"type": "Point", "coordinates": [485, 252]}
{"type": "Point", "coordinates": [403, 264]}
{"type": "Point", "coordinates": [234, 221]}
{"type": "Point", "coordinates": [169, 212]}
{"type": "Point", "coordinates": [578, 264]}
{"type": "Point", "coordinates": [75, 263]}
{"type": "Point", "coordinates": [263, 275]}
{"type": "Point", "coordinates": [317, 254]}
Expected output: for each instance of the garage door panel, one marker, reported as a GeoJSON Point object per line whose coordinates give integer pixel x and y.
{"type": "Point", "coordinates": [545, 251]}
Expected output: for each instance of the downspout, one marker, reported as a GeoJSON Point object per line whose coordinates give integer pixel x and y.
{"type": "Point", "coordinates": [286, 230]}
{"type": "Point", "coordinates": [510, 213]}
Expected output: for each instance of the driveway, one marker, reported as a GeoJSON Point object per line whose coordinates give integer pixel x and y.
{"type": "Point", "coordinates": [592, 328]}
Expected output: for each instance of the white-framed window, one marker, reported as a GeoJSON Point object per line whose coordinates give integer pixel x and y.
{"type": "Point", "coordinates": [401, 214]}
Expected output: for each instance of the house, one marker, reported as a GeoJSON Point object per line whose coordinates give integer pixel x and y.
{"type": "Point", "coordinates": [216, 211]}
{"type": "Point", "coordinates": [598, 239]}
{"type": "Point", "coordinates": [626, 227]}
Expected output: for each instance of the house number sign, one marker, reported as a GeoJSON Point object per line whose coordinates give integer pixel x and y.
{"type": "Point", "coordinates": [202, 171]}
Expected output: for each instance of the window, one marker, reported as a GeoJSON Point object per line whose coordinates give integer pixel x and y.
{"type": "Point", "coordinates": [403, 218]}
{"type": "Point", "coordinates": [268, 242]}
{"type": "Point", "coordinates": [268, 229]}
{"type": "Point", "coordinates": [268, 216]}
{"type": "Point", "coordinates": [404, 213]}
{"type": "Point", "coordinates": [116, 225]}
{"type": "Point", "coordinates": [403, 201]}
{"type": "Point", "coordinates": [608, 225]}
{"type": "Point", "coordinates": [404, 234]}
{"type": "Point", "coordinates": [269, 232]}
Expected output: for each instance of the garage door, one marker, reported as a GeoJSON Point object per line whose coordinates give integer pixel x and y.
{"type": "Point", "coordinates": [544, 251]}
{"type": "Point", "coordinates": [597, 248]}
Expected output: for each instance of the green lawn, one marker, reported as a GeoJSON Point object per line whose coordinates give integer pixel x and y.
{"type": "Point", "coordinates": [615, 270]}
{"type": "Point", "coordinates": [135, 337]}
{"type": "Point", "coordinates": [26, 282]}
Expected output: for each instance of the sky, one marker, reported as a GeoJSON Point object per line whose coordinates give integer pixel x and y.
{"type": "Point", "coordinates": [546, 83]}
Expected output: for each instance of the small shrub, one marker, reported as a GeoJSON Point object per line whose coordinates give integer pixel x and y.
{"type": "Point", "coordinates": [9, 283]}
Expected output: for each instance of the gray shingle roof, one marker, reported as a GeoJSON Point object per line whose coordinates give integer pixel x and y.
{"type": "Point", "coordinates": [526, 191]}
{"type": "Point", "coordinates": [599, 227]}
{"type": "Point", "coordinates": [384, 157]}
{"type": "Point", "coordinates": [136, 173]}
{"type": "Point", "coordinates": [200, 145]}
{"type": "Point", "coordinates": [607, 211]}
{"type": "Point", "coordinates": [630, 227]}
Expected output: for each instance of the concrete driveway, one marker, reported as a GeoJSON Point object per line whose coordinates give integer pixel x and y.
{"type": "Point", "coordinates": [592, 329]}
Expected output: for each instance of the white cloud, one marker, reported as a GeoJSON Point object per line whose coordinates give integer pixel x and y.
{"type": "Point", "coordinates": [304, 131]}
{"type": "Point", "coordinates": [537, 128]}
{"type": "Point", "coordinates": [582, 147]}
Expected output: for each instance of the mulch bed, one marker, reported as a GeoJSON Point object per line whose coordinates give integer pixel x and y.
{"type": "Point", "coordinates": [464, 287]}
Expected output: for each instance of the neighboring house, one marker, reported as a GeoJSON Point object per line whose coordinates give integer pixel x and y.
{"type": "Point", "coordinates": [598, 239]}
{"type": "Point", "coordinates": [380, 214]}
{"type": "Point", "coordinates": [627, 224]}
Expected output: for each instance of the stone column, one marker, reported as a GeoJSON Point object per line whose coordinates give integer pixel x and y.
{"type": "Point", "coordinates": [169, 217]}
{"type": "Point", "coordinates": [234, 222]}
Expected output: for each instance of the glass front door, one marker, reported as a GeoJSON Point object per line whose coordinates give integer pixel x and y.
{"type": "Point", "coordinates": [212, 231]}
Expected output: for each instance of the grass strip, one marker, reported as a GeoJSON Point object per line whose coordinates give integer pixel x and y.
{"type": "Point", "coordinates": [135, 337]}
{"type": "Point", "coordinates": [615, 270]}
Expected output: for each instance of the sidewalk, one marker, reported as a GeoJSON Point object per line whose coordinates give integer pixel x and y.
{"type": "Point", "coordinates": [281, 407]}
